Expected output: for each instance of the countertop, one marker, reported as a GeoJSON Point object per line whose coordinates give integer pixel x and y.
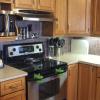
{"type": "Point", "coordinates": [72, 58]}
{"type": "Point", "coordinates": [8, 73]}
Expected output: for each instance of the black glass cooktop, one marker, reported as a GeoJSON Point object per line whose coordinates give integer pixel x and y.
{"type": "Point", "coordinates": [39, 64]}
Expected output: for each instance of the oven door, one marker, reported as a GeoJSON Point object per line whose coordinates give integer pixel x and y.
{"type": "Point", "coordinates": [44, 89]}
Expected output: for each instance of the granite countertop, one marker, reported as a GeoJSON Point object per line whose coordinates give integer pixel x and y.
{"type": "Point", "coordinates": [72, 58]}
{"type": "Point", "coordinates": [8, 73]}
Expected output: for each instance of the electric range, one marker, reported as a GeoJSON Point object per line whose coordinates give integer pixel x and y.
{"type": "Point", "coordinates": [29, 57]}
{"type": "Point", "coordinates": [43, 80]}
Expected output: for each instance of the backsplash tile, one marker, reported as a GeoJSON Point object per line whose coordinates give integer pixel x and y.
{"type": "Point", "coordinates": [94, 45]}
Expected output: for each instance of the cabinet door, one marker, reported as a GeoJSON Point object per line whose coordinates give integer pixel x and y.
{"type": "Point", "coordinates": [48, 5]}
{"type": "Point", "coordinates": [15, 96]}
{"type": "Point", "coordinates": [96, 18]}
{"type": "Point", "coordinates": [60, 25]}
{"type": "Point", "coordinates": [98, 89]}
{"type": "Point", "coordinates": [78, 16]}
{"type": "Point", "coordinates": [85, 82]}
{"type": "Point", "coordinates": [5, 1]}
{"type": "Point", "coordinates": [72, 82]}
{"type": "Point", "coordinates": [27, 4]}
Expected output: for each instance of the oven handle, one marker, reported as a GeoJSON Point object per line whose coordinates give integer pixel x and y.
{"type": "Point", "coordinates": [47, 79]}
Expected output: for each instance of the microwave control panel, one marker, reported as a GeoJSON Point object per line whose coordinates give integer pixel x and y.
{"type": "Point", "coordinates": [20, 50]}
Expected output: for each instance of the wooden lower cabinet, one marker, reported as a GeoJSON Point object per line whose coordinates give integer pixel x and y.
{"type": "Point", "coordinates": [85, 82]}
{"type": "Point", "coordinates": [72, 82]}
{"type": "Point", "coordinates": [13, 89]}
{"type": "Point", "coordinates": [20, 95]}
{"type": "Point", "coordinates": [82, 83]}
{"type": "Point", "coordinates": [98, 89]}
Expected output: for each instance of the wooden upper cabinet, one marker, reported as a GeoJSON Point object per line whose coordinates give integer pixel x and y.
{"type": "Point", "coordinates": [60, 24]}
{"type": "Point", "coordinates": [72, 82]}
{"type": "Point", "coordinates": [47, 5]}
{"type": "Point", "coordinates": [78, 16]}
{"type": "Point", "coordinates": [96, 17]}
{"type": "Point", "coordinates": [44, 5]}
{"type": "Point", "coordinates": [26, 4]}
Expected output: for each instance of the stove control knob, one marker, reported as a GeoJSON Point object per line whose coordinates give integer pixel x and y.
{"type": "Point", "coordinates": [14, 49]}
{"type": "Point", "coordinates": [37, 46]}
{"type": "Point", "coordinates": [59, 70]}
{"type": "Point", "coordinates": [38, 76]}
{"type": "Point", "coordinates": [40, 50]}
{"type": "Point", "coordinates": [11, 53]}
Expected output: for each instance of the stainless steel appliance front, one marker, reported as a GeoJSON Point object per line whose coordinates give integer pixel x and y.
{"type": "Point", "coordinates": [44, 89]}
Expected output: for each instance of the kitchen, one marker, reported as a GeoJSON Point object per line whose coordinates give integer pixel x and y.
{"type": "Point", "coordinates": [64, 36]}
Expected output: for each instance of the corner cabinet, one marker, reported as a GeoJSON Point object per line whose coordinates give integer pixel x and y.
{"type": "Point", "coordinates": [43, 5]}
{"type": "Point", "coordinates": [83, 82]}
{"type": "Point", "coordinates": [13, 89]}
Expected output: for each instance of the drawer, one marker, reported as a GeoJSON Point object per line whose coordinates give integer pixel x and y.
{"type": "Point", "coordinates": [98, 72]}
{"type": "Point", "coordinates": [11, 86]}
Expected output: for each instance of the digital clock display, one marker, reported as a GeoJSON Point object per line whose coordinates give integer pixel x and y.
{"type": "Point", "coordinates": [26, 49]}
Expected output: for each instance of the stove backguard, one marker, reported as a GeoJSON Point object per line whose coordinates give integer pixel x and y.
{"type": "Point", "coordinates": [13, 53]}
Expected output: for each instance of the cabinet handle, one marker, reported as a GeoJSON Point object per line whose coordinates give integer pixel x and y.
{"type": "Point", "coordinates": [69, 73]}
{"type": "Point", "coordinates": [88, 29]}
{"type": "Point", "coordinates": [14, 1]}
{"type": "Point", "coordinates": [56, 25]}
{"type": "Point", "coordinates": [68, 27]}
{"type": "Point", "coordinates": [13, 87]}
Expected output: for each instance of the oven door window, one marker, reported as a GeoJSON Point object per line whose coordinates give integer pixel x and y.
{"type": "Point", "coordinates": [49, 89]}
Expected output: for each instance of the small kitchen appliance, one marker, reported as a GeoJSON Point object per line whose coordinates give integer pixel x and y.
{"type": "Point", "coordinates": [43, 79]}
{"type": "Point", "coordinates": [8, 24]}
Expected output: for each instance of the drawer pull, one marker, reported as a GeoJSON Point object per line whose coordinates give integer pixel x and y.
{"type": "Point", "coordinates": [13, 87]}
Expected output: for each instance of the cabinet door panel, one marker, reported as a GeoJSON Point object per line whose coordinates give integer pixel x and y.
{"type": "Point", "coordinates": [27, 4]}
{"type": "Point", "coordinates": [15, 96]}
{"type": "Point", "coordinates": [96, 24]}
{"type": "Point", "coordinates": [60, 26]}
{"type": "Point", "coordinates": [5, 1]}
{"type": "Point", "coordinates": [78, 16]}
{"type": "Point", "coordinates": [84, 81]}
{"type": "Point", "coordinates": [72, 82]}
{"type": "Point", "coordinates": [48, 5]}
{"type": "Point", "coordinates": [98, 89]}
